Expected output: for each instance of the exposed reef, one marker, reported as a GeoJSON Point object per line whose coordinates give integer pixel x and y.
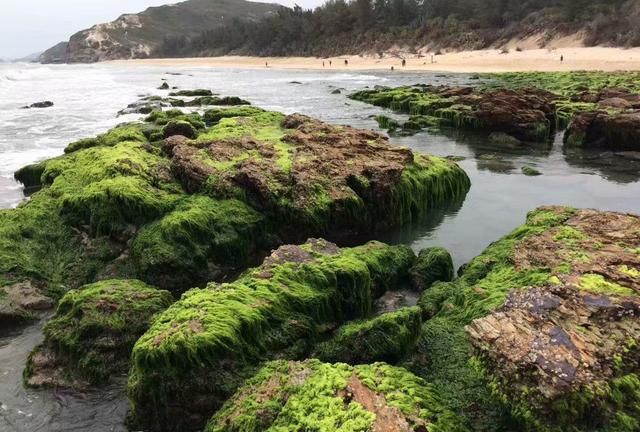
{"type": "Point", "coordinates": [600, 110]}
{"type": "Point", "coordinates": [182, 198]}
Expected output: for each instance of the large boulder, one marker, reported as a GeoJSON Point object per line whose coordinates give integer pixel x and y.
{"type": "Point", "coordinates": [524, 114]}
{"type": "Point", "coordinates": [548, 319]}
{"type": "Point", "coordinates": [90, 338]}
{"type": "Point", "coordinates": [611, 130]}
{"type": "Point", "coordinates": [310, 395]}
{"type": "Point", "coordinates": [178, 212]}
{"type": "Point", "coordinates": [200, 349]}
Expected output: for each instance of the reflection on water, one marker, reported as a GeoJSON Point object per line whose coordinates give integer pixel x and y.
{"type": "Point", "coordinates": [23, 410]}
{"type": "Point", "coordinates": [87, 98]}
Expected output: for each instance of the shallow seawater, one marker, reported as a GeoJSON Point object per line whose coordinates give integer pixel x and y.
{"type": "Point", "coordinates": [87, 98]}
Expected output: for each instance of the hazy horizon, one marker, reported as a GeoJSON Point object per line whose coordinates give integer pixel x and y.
{"type": "Point", "coordinates": [32, 26]}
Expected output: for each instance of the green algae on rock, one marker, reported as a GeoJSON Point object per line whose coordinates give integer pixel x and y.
{"type": "Point", "coordinates": [310, 395]}
{"type": "Point", "coordinates": [525, 115]}
{"type": "Point", "coordinates": [388, 337]}
{"type": "Point", "coordinates": [600, 110]}
{"type": "Point", "coordinates": [252, 180]}
{"type": "Point", "coordinates": [200, 349]}
{"type": "Point", "coordinates": [92, 333]}
{"type": "Point", "coordinates": [553, 318]}
{"type": "Point", "coordinates": [433, 265]}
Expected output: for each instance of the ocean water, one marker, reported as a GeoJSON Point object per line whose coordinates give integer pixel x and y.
{"type": "Point", "coordinates": [87, 98]}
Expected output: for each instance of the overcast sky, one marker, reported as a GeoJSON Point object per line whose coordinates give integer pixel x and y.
{"type": "Point", "coordinates": [29, 26]}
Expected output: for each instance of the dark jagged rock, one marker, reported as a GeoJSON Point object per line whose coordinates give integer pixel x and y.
{"type": "Point", "coordinates": [45, 104]}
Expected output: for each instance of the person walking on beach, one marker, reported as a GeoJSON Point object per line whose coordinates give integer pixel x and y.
{"type": "Point", "coordinates": [404, 62]}
{"type": "Point", "coordinates": [266, 64]}
{"type": "Point", "coordinates": [330, 63]}
{"type": "Point", "coordinates": [346, 62]}
{"type": "Point", "coordinates": [561, 58]}
{"type": "Point", "coordinates": [322, 64]}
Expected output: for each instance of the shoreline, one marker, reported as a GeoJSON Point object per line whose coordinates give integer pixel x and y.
{"type": "Point", "coordinates": [482, 61]}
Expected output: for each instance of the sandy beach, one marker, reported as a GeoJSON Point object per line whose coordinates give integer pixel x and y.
{"type": "Point", "coordinates": [594, 58]}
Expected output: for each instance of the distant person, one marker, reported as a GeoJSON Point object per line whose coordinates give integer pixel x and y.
{"type": "Point", "coordinates": [392, 68]}
{"type": "Point", "coordinates": [431, 58]}
{"type": "Point", "coordinates": [266, 64]}
{"type": "Point", "coordinates": [322, 64]}
{"type": "Point", "coordinates": [404, 62]}
{"type": "Point", "coordinates": [346, 62]}
{"type": "Point", "coordinates": [561, 58]}
{"type": "Point", "coordinates": [330, 63]}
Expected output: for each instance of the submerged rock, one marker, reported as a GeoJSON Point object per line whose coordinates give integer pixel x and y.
{"type": "Point", "coordinates": [91, 336]}
{"type": "Point", "coordinates": [304, 395]}
{"type": "Point", "coordinates": [200, 349]}
{"type": "Point", "coordinates": [552, 311]}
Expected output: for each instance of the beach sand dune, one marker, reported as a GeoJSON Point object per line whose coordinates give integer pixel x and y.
{"type": "Point", "coordinates": [544, 60]}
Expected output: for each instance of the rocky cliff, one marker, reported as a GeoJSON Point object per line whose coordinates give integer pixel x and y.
{"type": "Point", "coordinates": [136, 35]}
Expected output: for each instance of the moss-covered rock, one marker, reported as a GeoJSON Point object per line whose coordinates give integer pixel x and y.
{"type": "Point", "coordinates": [200, 349]}
{"type": "Point", "coordinates": [310, 395]}
{"type": "Point", "coordinates": [192, 93]}
{"type": "Point", "coordinates": [91, 336]}
{"type": "Point", "coordinates": [387, 337]}
{"type": "Point", "coordinates": [179, 127]}
{"type": "Point", "coordinates": [129, 132]}
{"type": "Point", "coordinates": [433, 265]}
{"type": "Point", "coordinates": [543, 323]}
{"type": "Point", "coordinates": [600, 109]}
{"type": "Point", "coordinates": [530, 171]}
{"type": "Point", "coordinates": [528, 115]}
{"type": "Point", "coordinates": [177, 212]}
